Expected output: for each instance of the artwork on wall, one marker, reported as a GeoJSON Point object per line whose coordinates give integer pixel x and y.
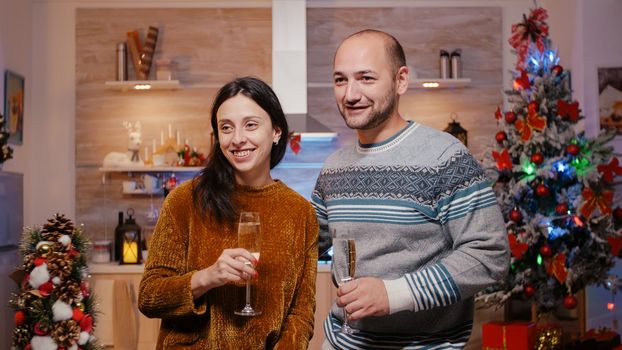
{"type": "Point", "coordinates": [14, 106]}
{"type": "Point", "coordinates": [610, 98]}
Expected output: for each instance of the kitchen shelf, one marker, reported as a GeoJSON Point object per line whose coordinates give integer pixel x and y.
{"type": "Point", "coordinates": [148, 169]}
{"type": "Point", "coordinates": [415, 83]}
{"type": "Point", "coordinates": [142, 85]}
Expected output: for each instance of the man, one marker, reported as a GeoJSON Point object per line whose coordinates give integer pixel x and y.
{"type": "Point", "coordinates": [428, 230]}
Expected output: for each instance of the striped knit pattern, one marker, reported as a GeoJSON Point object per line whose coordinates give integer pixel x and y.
{"type": "Point", "coordinates": [420, 209]}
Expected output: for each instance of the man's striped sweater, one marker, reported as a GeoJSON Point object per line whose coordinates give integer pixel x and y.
{"type": "Point", "coordinates": [426, 222]}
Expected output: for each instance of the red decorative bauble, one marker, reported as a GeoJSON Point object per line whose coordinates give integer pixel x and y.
{"type": "Point", "coordinates": [542, 190]}
{"type": "Point", "coordinates": [561, 208]}
{"type": "Point", "coordinates": [20, 317]}
{"type": "Point", "coordinates": [537, 158]}
{"type": "Point", "coordinates": [557, 69]}
{"type": "Point", "coordinates": [39, 330]}
{"type": "Point", "coordinates": [46, 288]}
{"type": "Point", "coordinates": [573, 149]}
{"type": "Point", "coordinates": [529, 290]}
{"type": "Point", "coordinates": [617, 213]}
{"type": "Point", "coordinates": [546, 251]}
{"type": "Point", "coordinates": [570, 302]}
{"type": "Point", "coordinates": [510, 117]}
{"type": "Point", "coordinates": [501, 136]}
{"type": "Point", "coordinates": [86, 323]}
{"type": "Point", "coordinates": [515, 215]}
{"type": "Point", "coordinates": [77, 314]}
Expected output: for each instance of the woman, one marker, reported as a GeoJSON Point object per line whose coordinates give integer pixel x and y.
{"type": "Point", "coordinates": [195, 273]}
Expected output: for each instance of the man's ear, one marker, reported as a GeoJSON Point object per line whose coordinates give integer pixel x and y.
{"type": "Point", "coordinates": [401, 80]}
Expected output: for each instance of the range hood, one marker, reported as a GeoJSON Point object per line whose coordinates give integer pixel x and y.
{"type": "Point", "coordinates": [289, 69]}
{"type": "Point", "coordinates": [309, 128]}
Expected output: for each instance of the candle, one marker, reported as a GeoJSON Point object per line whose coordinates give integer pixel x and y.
{"type": "Point", "coordinates": [187, 142]}
{"type": "Point", "coordinates": [170, 131]}
{"type": "Point", "coordinates": [153, 146]}
{"type": "Point", "coordinates": [161, 137]}
{"type": "Point", "coordinates": [178, 140]}
{"type": "Point", "coordinates": [130, 252]}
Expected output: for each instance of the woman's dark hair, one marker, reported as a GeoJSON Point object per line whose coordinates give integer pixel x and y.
{"type": "Point", "coordinates": [216, 182]}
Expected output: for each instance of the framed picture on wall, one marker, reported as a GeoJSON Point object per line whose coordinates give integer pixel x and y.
{"type": "Point", "coordinates": [14, 106]}
{"type": "Point", "coordinates": [610, 98]}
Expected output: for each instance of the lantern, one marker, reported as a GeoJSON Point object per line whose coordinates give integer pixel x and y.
{"type": "Point", "coordinates": [131, 247]}
{"type": "Point", "coordinates": [456, 130]}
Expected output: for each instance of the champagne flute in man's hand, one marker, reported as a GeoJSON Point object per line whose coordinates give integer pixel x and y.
{"type": "Point", "coordinates": [344, 268]}
{"type": "Point", "coordinates": [248, 238]}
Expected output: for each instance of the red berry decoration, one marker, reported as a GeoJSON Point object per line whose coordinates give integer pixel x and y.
{"type": "Point", "coordinates": [20, 317]}
{"type": "Point", "coordinates": [529, 290]}
{"type": "Point", "coordinates": [510, 117]}
{"type": "Point", "coordinates": [537, 158]}
{"type": "Point", "coordinates": [542, 190]}
{"type": "Point", "coordinates": [501, 136]}
{"type": "Point", "coordinates": [561, 208]}
{"type": "Point", "coordinates": [557, 69]}
{"type": "Point", "coordinates": [570, 302]}
{"type": "Point", "coordinates": [573, 149]}
{"type": "Point", "coordinates": [546, 251]}
{"type": "Point", "coordinates": [515, 215]}
{"type": "Point", "coordinates": [617, 213]}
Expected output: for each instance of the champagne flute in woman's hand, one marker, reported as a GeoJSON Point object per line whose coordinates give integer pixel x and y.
{"type": "Point", "coordinates": [343, 268]}
{"type": "Point", "coordinates": [248, 238]}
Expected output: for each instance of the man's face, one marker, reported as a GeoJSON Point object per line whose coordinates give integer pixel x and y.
{"type": "Point", "coordinates": [364, 82]}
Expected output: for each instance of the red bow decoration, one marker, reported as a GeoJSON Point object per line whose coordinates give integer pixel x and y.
{"type": "Point", "coordinates": [616, 245]}
{"type": "Point", "coordinates": [532, 29]}
{"type": "Point", "coordinates": [517, 248]}
{"type": "Point", "coordinates": [610, 170]}
{"type": "Point", "coordinates": [602, 200]}
{"type": "Point", "coordinates": [503, 160]}
{"type": "Point", "coordinates": [498, 114]}
{"type": "Point", "coordinates": [557, 268]}
{"type": "Point", "coordinates": [294, 142]}
{"type": "Point", "coordinates": [570, 110]}
{"type": "Point", "coordinates": [522, 81]}
{"type": "Point", "coordinates": [532, 122]}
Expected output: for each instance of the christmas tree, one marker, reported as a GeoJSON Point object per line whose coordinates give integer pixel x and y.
{"type": "Point", "coordinates": [54, 308]}
{"type": "Point", "coordinates": [554, 185]}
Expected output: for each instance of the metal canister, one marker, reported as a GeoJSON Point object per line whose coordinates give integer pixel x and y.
{"type": "Point", "coordinates": [456, 64]}
{"type": "Point", "coordinates": [444, 65]}
{"type": "Point", "coordinates": [122, 61]}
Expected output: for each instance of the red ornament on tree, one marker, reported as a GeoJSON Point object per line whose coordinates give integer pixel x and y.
{"type": "Point", "coordinates": [515, 215]}
{"type": "Point", "coordinates": [542, 190]}
{"type": "Point", "coordinates": [20, 317]}
{"type": "Point", "coordinates": [573, 149]}
{"type": "Point", "coordinates": [501, 136]}
{"type": "Point", "coordinates": [546, 251]}
{"type": "Point", "coordinates": [617, 213]}
{"type": "Point", "coordinates": [537, 158]}
{"type": "Point", "coordinates": [570, 302]}
{"type": "Point", "coordinates": [561, 208]}
{"type": "Point", "coordinates": [510, 117]}
{"type": "Point", "coordinates": [529, 290]}
{"type": "Point", "coordinates": [557, 69]}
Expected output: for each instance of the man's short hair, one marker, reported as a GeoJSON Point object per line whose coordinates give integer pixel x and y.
{"type": "Point", "coordinates": [394, 49]}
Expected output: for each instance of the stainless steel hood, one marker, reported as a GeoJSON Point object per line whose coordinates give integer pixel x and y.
{"type": "Point", "coordinates": [309, 128]}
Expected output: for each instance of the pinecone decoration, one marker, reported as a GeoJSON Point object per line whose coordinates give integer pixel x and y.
{"type": "Point", "coordinates": [29, 262]}
{"type": "Point", "coordinates": [57, 226]}
{"type": "Point", "coordinates": [21, 337]}
{"type": "Point", "coordinates": [59, 265]}
{"type": "Point", "coordinates": [66, 333]}
{"type": "Point", "coordinates": [69, 291]}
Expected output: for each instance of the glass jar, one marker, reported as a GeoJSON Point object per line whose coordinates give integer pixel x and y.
{"type": "Point", "coordinates": [101, 252]}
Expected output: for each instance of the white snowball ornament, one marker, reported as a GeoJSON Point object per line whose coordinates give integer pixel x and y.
{"type": "Point", "coordinates": [39, 275]}
{"type": "Point", "coordinates": [56, 280]}
{"type": "Point", "coordinates": [61, 311]}
{"type": "Point", "coordinates": [43, 343]}
{"type": "Point", "coordinates": [84, 338]}
{"type": "Point", "coordinates": [64, 240]}
{"type": "Point", "coordinates": [73, 347]}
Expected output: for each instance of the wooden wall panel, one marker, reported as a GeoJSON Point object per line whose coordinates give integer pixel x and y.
{"type": "Point", "coordinates": [209, 46]}
{"type": "Point", "coordinates": [423, 32]}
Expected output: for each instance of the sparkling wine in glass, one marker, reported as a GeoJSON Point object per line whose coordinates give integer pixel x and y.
{"type": "Point", "coordinates": [344, 268]}
{"type": "Point", "coordinates": [248, 238]}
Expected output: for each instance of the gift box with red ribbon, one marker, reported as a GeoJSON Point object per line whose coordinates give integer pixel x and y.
{"type": "Point", "coordinates": [508, 336]}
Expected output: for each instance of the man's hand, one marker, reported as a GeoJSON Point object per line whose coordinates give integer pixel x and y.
{"type": "Point", "coordinates": [363, 297]}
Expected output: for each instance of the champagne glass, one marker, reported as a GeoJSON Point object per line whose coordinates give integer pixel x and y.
{"type": "Point", "coordinates": [248, 238]}
{"type": "Point", "coordinates": [343, 268]}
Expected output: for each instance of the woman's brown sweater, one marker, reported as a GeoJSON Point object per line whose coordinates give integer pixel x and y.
{"type": "Point", "coordinates": [184, 243]}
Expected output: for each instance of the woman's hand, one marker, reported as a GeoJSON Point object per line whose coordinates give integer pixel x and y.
{"type": "Point", "coordinates": [230, 267]}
